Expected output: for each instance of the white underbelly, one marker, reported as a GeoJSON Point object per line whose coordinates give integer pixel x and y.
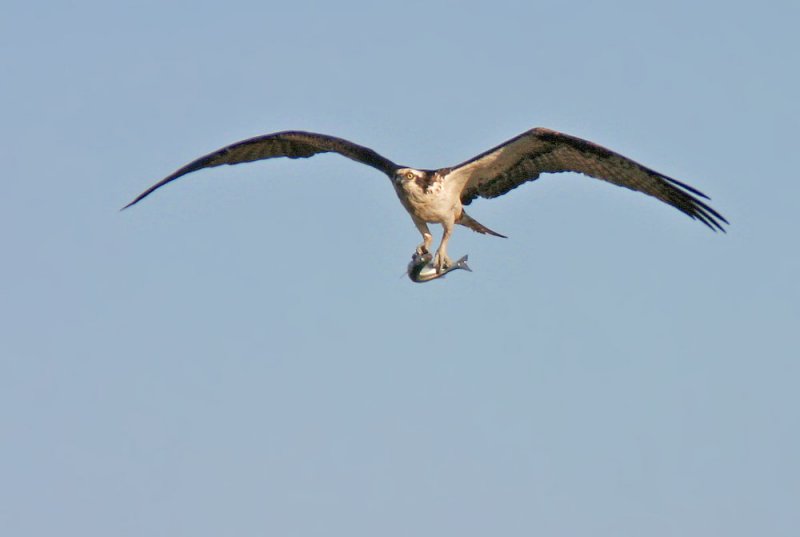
{"type": "Point", "coordinates": [434, 206]}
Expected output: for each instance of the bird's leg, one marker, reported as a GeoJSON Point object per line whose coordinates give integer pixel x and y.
{"type": "Point", "coordinates": [427, 238]}
{"type": "Point", "coordinates": [441, 261]}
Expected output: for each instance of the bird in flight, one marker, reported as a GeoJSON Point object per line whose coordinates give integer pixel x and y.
{"type": "Point", "coordinates": [439, 196]}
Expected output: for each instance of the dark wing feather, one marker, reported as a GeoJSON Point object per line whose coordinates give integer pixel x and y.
{"type": "Point", "coordinates": [291, 144]}
{"type": "Point", "coordinates": [537, 151]}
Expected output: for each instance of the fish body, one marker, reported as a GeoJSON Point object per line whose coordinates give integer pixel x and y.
{"type": "Point", "coordinates": [421, 268]}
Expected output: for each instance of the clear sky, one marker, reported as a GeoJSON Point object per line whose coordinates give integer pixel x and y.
{"type": "Point", "coordinates": [241, 354]}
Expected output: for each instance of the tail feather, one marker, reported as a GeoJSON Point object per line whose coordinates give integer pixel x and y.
{"type": "Point", "coordinates": [474, 225]}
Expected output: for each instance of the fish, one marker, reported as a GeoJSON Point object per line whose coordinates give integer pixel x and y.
{"type": "Point", "coordinates": [421, 268]}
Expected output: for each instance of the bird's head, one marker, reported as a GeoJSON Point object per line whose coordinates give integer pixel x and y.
{"type": "Point", "coordinates": [404, 175]}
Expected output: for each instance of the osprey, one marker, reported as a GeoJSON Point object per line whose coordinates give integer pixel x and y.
{"type": "Point", "coordinates": [439, 196]}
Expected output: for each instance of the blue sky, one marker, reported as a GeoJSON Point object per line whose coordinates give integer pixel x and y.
{"type": "Point", "coordinates": [241, 354]}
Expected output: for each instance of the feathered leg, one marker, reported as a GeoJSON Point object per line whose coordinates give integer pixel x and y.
{"type": "Point", "coordinates": [441, 260]}
{"type": "Point", "coordinates": [427, 238]}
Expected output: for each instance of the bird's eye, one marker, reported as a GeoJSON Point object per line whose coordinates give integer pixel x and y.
{"type": "Point", "coordinates": [409, 175]}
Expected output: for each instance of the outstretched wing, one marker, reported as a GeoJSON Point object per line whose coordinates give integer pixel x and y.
{"type": "Point", "coordinates": [538, 151]}
{"type": "Point", "coordinates": [291, 144]}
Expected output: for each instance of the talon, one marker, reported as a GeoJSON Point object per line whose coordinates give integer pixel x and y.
{"type": "Point", "coordinates": [442, 263]}
{"type": "Point", "coordinates": [422, 250]}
